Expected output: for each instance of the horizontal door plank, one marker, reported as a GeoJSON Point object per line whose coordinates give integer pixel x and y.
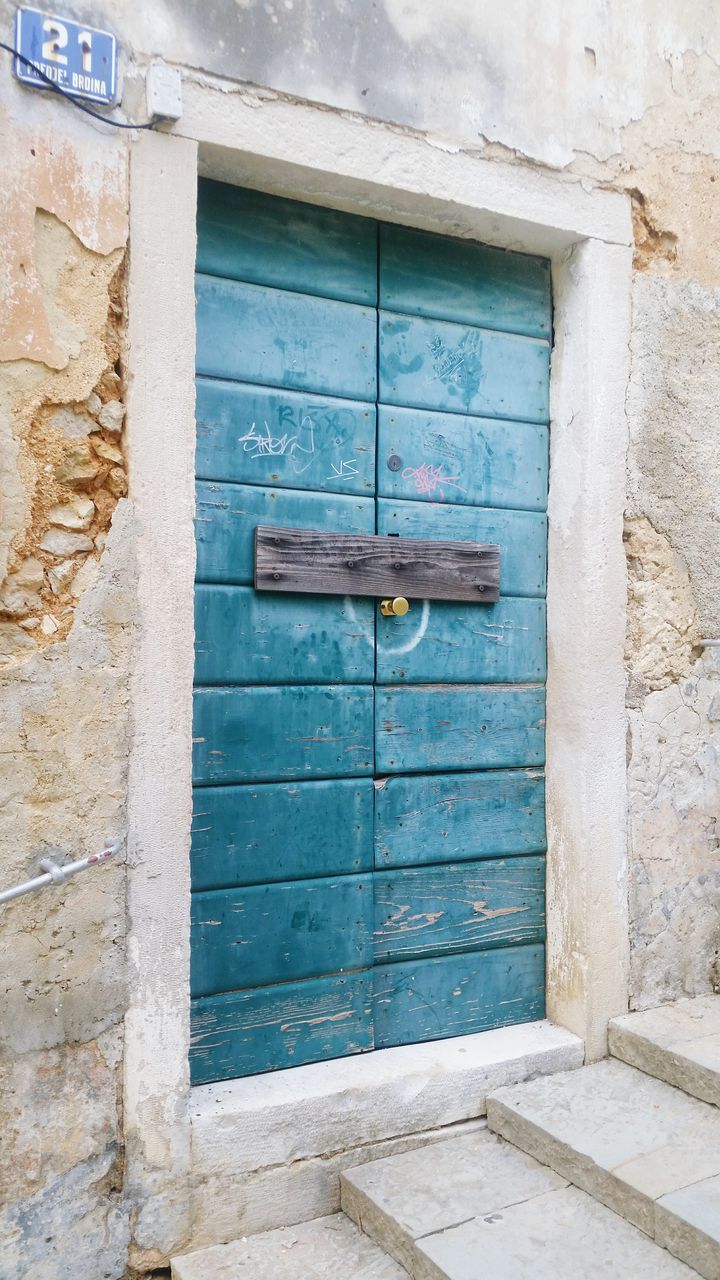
{"type": "Point", "coordinates": [227, 515]}
{"type": "Point", "coordinates": [418, 1000]}
{"type": "Point", "coordinates": [520, 535]}
{"type": "Point", "coordinates": [281, 831]}
{"type": "Point", "coordinates": [279, 932]}
{"type": "Point", "coordinates": [432, 911]}
{"type": "Point", "coordinates": [432, 364]}
{"type": "Point", "coordinates": [254, 435]}
{"type": "Point", "coordinates": [449, 457]}
{"type": "Point", "coordinates": [423, 728]}
{"type": "Point", "coordinates": [282, 339]}
{"type": "Point", "coordinates": [269, 1028]}
{"type": "Point", "coordinates": [245, 638]}
{"type": "Point", "coordinates": [314, 560]}
{"type": "Point", "coordinates": [429, 275]}
{"type": "Point", "coordinates": [458, 642]}
{"type": "Point", "coordinates": [248, 235]}
{"type": "Point", "coordinates": [446, 817]}
{"type": "Point", "coordinates": [265, 734]}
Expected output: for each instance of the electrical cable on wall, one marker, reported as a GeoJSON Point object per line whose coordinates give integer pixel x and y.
{"type": "Point", "coordinates": [117, 124]}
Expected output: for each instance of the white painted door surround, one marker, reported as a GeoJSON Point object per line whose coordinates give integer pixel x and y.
{"type": "Point", "coordinates": [302, 151]}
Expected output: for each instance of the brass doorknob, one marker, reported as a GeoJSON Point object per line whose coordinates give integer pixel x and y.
{"type": "Point", "coordinates": [396, 608]}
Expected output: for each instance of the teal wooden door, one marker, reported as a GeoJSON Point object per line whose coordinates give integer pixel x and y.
{"type": "Point", "coordinates": [368, 818]}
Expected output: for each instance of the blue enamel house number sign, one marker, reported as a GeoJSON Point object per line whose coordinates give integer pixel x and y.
{"type": "Point", "coordinates": [80, 60]}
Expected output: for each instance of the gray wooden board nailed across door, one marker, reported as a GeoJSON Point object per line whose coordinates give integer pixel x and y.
{"type": "Point", "coordinates": [319, 562]}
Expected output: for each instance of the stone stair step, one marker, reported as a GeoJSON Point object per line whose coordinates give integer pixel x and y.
{"type": "Point", "coordinates": [638, 1145]}
{"type": "Point", "coordinates": [475, 1207]}
{"type": "Point", "coordinates": [325, 1249]}
{"type": "Point", "coordinates": [678, 1043]}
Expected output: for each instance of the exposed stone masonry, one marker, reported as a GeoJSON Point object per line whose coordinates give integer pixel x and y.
{"type": "Point", "coordinates": [73, 456]}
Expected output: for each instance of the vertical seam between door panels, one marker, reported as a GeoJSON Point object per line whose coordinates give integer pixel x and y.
{"type": "Point", "coordinates": [375, 607]}
{"type": "Point", "coordinates": [377, 454]}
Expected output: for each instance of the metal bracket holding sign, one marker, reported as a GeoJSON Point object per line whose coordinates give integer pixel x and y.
{"type": "Point", "coordinates": [80, 60]}
{"type": "Point", "coordinates": [311, 560]}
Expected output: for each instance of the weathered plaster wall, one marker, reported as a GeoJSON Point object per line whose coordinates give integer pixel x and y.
{"type": "Point", "coordinates": [673, 545]}
{"type": "Point", "coordinates": [66, 619]}
{"type": "Point", "coordinates": [625, 96]}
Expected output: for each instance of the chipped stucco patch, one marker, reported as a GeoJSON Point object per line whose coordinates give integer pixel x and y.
{"type": "Point", "coordinates": [84, 189]}
{"type": "Point", "coordinates": [662, 629]}
{"type": "Point", "coordinates": [65, 434]}
{"type": "Point", "coordinates": [652, 244]}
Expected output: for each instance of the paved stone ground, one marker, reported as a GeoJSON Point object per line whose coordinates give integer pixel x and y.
{"type": "Point", "coordinates": [600, 1173]}
{"type": "Point", "coordinates": [326, 1249]}
{"type": "Point", "coordinates": [640, 1146]}
{"type": "Point", "coordinates": [475, 1208]}
{"type": "Point", "coordinates": [563, 1235]}
{"type": "Point", "coordinates": [678, 1042]}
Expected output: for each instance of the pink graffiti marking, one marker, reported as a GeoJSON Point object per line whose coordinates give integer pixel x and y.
{"type": "Point", "coordinates": [430, 480]}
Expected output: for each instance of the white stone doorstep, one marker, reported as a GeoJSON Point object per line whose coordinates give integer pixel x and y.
{"type": "Point", "coordinates": [319, 1110]}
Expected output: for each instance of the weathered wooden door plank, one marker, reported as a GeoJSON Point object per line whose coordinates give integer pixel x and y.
{"type": "Point", "coordinates": [262, 834]}
{"type": "Point", "coordinates": [312, 560]}
{"type": "Point", "coordinates": [434, 364]}
{"type": "Point", "coordinates": [445, 817]}
{"type": "Point", "coordinates": [270, 933]}
{"type": "Point", "coordinates": [242, 637]}
{"type": "Point", "coordinates": [257, 435]}
{"type": "Point", "coordinates": [227, 515]}
{"type": "Point", "coordinates": [418, 1000]}
{"type": "Point", "coordinates": [520, 535]}
{"type": "Point", "coordinates": [253, 334]}
{"type": "Point", "coordinates": [243, 1032]}
{"type": "Point", "coordinates": [424, 728]}
{"type": "Point", "coordinates": [450, 642]}
{"type": "Point", "coordinates": [450, 279]}
{"type": "Point", "coordinates": [248, 235]}
{"type": "Point", "coordinates": [451, 457]}
{"type": "Point", "coordinates": [262, 734]}
{"type": "Point", "coordinates": [467, 906]}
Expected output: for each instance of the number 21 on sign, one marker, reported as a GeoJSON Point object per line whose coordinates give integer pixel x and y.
{"type": "Point", "coordinates": [81, 60]}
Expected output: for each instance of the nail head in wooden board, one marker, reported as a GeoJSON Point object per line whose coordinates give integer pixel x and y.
{"type": "Point", "coordinates": [318, 562]}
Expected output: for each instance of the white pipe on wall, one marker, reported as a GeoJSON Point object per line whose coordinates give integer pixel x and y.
{"type": "Point", "coordinates": [56, 874]}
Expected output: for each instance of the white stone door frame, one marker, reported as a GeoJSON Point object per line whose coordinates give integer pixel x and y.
{"type": "Point", "coordinates": [351, 163]}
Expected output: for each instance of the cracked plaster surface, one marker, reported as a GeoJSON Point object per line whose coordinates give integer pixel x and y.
{"type": "Point", "coordinates": [630, 100]}
{"type": "Point", "coordinates": [66, 634]}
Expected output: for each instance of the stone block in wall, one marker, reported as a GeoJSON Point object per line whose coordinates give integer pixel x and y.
{"type": "Point", "coordinates": [674, 841]}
